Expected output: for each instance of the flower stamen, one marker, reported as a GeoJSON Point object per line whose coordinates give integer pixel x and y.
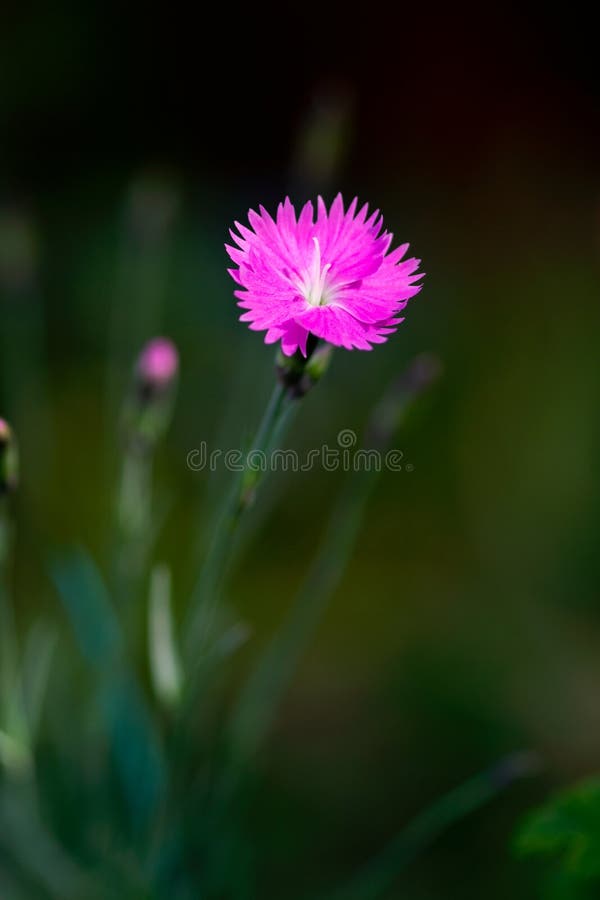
{"type": "Point", "coordinates": [314, 286]}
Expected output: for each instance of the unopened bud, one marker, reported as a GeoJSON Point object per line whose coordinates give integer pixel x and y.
{"type": "Point", "coordinates": [157, 366]}
{"type": "Point", "coordinates": [318, 363]}
{"type": "Point", "coordinates": [300, 373]}
{"type": "Point", "coordinates": [149, 408]}
{"type": "Point", "coordinates": [9, 459]}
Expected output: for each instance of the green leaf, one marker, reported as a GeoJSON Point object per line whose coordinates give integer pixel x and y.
{"type": "Point", "coordinates": [135, 739]}
{"type": "Point", "coordinates": [136, 745]}
{"type": "Point", "coordinates": [35, 671]}
{"type": "Point", "coordinates": [86, 600]}
{"type": "Point", "coordinates": [567, 830]}
{"type": "Point", "coordinates": [165, 663]}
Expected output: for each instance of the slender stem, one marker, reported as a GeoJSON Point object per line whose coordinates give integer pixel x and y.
{"type": "Point", "coordinates": [205, 596]}
{"type": "Point", "coordinates": [145, 417]}
{"type": "Point", "coordinates": [378, 875]}
{"type": "Point", "coordinates": [13, 722]}
{"type": "Point", "coordinates": [270, 416]}
{"type": "Point", "coordinates": [131, 541]}
{"type": "Point", "coordinates": [8, 644]}
{"type": "Point", "coordinates": [134, 497]}
{"type": "Point", "coordinates": [296, 375]}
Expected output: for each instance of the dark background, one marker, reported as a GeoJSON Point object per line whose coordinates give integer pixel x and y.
{"type": "Point", "coordinates": [437, 91]}
{"type": "Point", "coordinates": [468, 625]}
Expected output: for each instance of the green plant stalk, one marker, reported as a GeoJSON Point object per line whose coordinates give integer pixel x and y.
{"type": "Point", "coordinates": [296, 375]}
{"type": "Point", "coordinates": [378, 875]}
{"type": "Point", "coordinates": [145, 418]}
{"type": "Point", "coordinates": [205, 597]}
{"type": "Point", "coordinates": [131, 541]}
{"type": "Point", "coordinates": [14, 744]}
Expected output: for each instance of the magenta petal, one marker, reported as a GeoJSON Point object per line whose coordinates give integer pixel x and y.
{"type": "Point", "coordinates": [294, 338]}
{"type": "Point", "coordinates": [334, 275]}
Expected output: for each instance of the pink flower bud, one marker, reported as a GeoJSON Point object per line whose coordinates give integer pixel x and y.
{"type": "Point", "coordinates": [158, 363]}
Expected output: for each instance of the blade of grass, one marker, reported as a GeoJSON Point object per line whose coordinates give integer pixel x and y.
{"type": "Point", "coordinates": [296, 375]}
{"type": "Point", "coordinates": [378, 875]}
{"type": "Point", "coordinates": [204, 600]}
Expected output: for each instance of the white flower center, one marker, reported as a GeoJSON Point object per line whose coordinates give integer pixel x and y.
{"type": "Point", "coordinates": [314, 286]}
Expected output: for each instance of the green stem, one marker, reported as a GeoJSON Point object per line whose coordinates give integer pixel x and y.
{"type": "Point", "coordinates": [296, 375]}
{"type": "Point", "coordinates": [8, 644]}
{"type": "Point", "coordinates": [131, 541]}
{"type": "Point", "coordinates": [269, 428]}
{"type": "Point", "coordinates": [14, 731]}
{"type": "Point", "coordinates": [206, 594]}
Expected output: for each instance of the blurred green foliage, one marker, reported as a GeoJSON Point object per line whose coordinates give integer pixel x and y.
{"type": "Point", "coordinates": [565, 833]}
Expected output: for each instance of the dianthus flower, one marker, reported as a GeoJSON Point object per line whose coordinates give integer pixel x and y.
{"type": "Point", "coordinates": [331, 277]}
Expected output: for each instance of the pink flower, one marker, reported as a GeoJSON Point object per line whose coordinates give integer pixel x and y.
{"type": "Point", "coordinates": [332, 277]}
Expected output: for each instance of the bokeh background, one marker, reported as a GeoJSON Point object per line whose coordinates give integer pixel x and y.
{"type": "Point", "coordinates": [468, 624]}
